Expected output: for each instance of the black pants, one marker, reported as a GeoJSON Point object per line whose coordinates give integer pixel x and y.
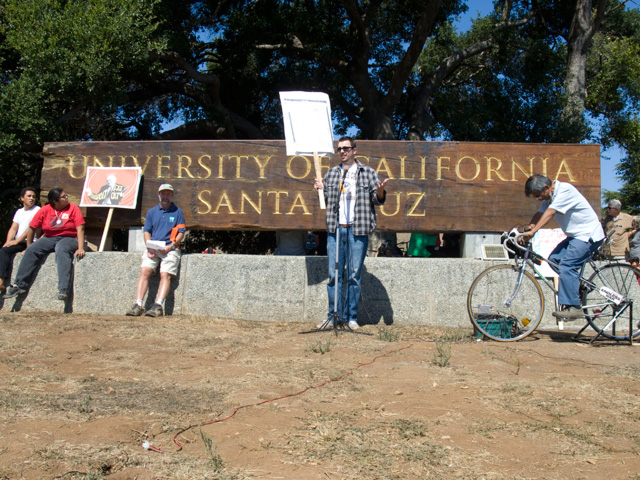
{"type": "Point", "coordinates": [7, 254]}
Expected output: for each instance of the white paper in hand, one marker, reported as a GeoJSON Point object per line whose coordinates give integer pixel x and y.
{"type": "Point", "coordinates": [157, 245]}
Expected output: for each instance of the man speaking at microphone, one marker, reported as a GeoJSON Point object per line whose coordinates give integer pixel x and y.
{"type": "Point", "coordinates": [351, 192]}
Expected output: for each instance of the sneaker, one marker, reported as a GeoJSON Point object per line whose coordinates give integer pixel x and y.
{"type": "Point", "coordinates": [135, 311]}
{"type": "Point", "coordinates": [155, 311]}
{"type": "Point", "coordinates": [62, 295]}
{"type": "Point", "coordinates": [353, 325]}
{"type": "Point", "coordinates": [569, 313]}
{"type": "Point", "coordinates": [13, 291]}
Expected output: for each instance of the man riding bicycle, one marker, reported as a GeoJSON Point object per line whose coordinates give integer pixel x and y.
{"type": "Point", "coordinates": [581, 225]}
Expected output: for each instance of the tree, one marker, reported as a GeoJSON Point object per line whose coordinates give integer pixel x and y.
{"type": "Point", "coordinates": [614, 97]}
{"type": "Point", "coordinates": [120, 69]}
{"type": "Point", "coordinates": [66, 68]}
{"type": "Point", "coordinates": [543, 82]}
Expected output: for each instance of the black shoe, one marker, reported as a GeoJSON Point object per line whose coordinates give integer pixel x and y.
{"type": "Point", "coordinates": [13, 291]}
{"type": "Point", "coordinates": [135, 311]}
{"type": "Point", "coordinates": [155, 311]}
{"type": "Point", "coordinates": [63, 294]}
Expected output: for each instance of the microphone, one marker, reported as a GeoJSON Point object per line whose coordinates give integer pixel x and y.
{"type": "Point", "coordinates": [345, 169]}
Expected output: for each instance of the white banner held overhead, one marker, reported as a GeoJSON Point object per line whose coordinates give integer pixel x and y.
{"type": "Point", "coordinates": [307, 123]}
{"type": "Point", "coordinates": [308, 129]}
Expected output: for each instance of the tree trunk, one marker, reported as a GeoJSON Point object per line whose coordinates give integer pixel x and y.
{"type": "Point", "coordinates": [583, 28]}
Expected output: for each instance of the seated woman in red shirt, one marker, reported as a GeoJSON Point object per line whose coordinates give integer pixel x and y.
{"type": "Point", "coordinates": [63, 233]}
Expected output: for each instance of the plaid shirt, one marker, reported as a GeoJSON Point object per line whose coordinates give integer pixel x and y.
{"type": "Point", "coordinates": [364, 221]}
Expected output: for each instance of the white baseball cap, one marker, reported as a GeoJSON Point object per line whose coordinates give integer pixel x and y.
{"type": "Point", "coordinates": [165, 186]}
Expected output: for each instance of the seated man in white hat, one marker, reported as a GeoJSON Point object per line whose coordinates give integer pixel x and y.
{"type": "Point", "coordinates": [164, 229]}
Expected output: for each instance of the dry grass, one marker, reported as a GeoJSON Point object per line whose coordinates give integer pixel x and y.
{"type": "Point", "coordinates": [80, 394]}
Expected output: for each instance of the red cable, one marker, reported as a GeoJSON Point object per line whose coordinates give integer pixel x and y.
{"type": "Point", "coordinates": [235, 410]}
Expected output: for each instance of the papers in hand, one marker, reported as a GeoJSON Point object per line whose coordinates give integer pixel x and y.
{"type": "Point", "coordinates": [157, 245]}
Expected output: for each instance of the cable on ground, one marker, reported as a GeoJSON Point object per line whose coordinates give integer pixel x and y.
{"type": "Point", "coordinates": [147, 446]}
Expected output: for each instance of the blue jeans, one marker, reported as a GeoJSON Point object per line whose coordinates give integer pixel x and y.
{"type": "Point", "coordinates": [352, 251]}
{"type": "Point", "coordinates": [65, 247]}
{"type": "Point", "coordinates": [571, 254]}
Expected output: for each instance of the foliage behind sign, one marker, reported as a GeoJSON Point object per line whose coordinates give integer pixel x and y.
{"type": "Point", "coordinates": [434, 186]}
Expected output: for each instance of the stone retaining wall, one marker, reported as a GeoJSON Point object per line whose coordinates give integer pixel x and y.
{"type": "Point", "coordinates": [250, 287]}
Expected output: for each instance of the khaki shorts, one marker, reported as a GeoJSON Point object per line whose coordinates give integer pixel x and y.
{"type": "Point", "coordinates": [168, 264]}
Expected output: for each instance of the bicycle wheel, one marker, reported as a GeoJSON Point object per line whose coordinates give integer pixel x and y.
{"type": "Point", "coordinates": [499, 309]}
{"type": "Point", "coordinates": [613, 320]}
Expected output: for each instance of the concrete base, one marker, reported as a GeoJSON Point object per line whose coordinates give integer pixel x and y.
{"type": "Point", "coordinates": [472, 242]}
{"type": "Point", "coordinates": [136, 240]}
{"type": "Point", "coordinates": [395, 290]}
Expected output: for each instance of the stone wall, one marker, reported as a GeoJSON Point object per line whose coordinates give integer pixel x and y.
{"type": "Point", "coordinates": [395, 290]}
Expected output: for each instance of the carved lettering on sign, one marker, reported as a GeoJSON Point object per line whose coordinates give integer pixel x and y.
{"type": "Point", "coordinates": [433, 186]}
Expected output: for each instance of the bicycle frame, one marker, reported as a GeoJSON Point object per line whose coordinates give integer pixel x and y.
{"type": "Point", "coordinates": [528, 259]}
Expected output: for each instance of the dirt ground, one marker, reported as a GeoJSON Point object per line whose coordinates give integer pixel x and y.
{"type": "Point", "coordinates": [247, 400]}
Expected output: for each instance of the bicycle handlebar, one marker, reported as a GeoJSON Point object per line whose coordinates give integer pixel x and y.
{"type": "Point", "coordinates": [511, 239]}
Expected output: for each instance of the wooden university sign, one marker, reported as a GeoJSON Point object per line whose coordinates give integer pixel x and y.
{"type": "Point", "coordinates": [434, 186]}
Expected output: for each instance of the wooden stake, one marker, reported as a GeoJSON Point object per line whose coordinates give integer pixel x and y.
{"type": "Point", "coordinates": [106, 230]}
{"type": "Point", "coordinates": [316, 163]}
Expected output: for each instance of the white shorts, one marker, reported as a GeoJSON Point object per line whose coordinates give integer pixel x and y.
{"type": "Point", "coordinates": [168, 264]}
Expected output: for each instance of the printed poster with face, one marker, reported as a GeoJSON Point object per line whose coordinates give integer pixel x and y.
{"type": "Point", "coordinates": [112, 187]}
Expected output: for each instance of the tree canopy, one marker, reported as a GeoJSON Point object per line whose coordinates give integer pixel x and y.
{"type": "Point", "coordinates": [540, 71]}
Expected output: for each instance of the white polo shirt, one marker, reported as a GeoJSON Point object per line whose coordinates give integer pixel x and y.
{"type": "Point", "coordinates": [574, 214]}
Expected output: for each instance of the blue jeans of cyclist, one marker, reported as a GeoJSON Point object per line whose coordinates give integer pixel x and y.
{"type": "Point", "coordinates": [571, 254]}
{"type": "Point", "coordinates": [352, 251]}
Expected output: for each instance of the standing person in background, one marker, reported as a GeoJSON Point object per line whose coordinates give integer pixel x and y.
{"type": "Point", "coordinates": [62, 226]}
{"type": "Point", "coordinates": [164, 223]}
{"type": "Point", "coordinates": [620, 223]}
{"type": "Point", "coordinates": [291, 242]}
{"type": "Point", "coordinates": [634, 242]}
{"type": "Point", "coordinates": [351, 191]}
{"type": "Point", "coordinates": [17, 235]}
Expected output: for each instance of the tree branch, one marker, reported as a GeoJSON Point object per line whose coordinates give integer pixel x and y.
{"type": "Point", "coordinates": [409, 59]}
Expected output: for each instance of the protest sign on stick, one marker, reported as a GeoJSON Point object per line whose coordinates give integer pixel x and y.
{"type": "Point", "coordinates": [110, 187]}
{"type": "Point", "coordinates": [308, 128]}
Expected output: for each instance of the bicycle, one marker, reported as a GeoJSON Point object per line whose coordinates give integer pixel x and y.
{"type": "Point", "coordinates": [506, 302]}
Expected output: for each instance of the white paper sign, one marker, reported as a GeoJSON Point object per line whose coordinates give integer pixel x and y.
{"type": "Point", "coordinates": [543, 243]}
{"type": "Point", "coordinates": [307, 123]}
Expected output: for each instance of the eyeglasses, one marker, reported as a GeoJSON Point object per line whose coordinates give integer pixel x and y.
{"type": "Point", "coordinates": [64, 196]}
{"type": "Point", "coordinates": [344, 149]}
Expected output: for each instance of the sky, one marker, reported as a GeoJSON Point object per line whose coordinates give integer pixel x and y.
{"type": "Point", "coordinates": [608, 158]}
